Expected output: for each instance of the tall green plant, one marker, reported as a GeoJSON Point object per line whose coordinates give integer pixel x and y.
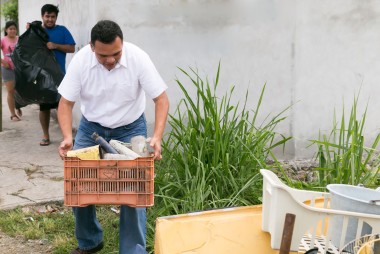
{"type": "Point", "coordinates": [214, 150]}
{"type": "Point", "coordinates": [343, 157]}
{"type": "Point", "coordinates": [9, 10]}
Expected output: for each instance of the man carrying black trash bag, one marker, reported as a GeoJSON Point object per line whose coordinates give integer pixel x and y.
{"type": "Point", "coordinates": [60, 42]}
{"type": "Point", "coordinates": [40, 59]}
{"type": "Point", "coordinates": [37, 72]}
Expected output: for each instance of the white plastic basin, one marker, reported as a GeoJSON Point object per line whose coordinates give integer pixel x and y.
{"type": "Point", "coordinates": [355, 199]}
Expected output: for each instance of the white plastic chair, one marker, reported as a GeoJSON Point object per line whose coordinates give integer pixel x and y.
{"type": "Point", "coordinates": [280, 199]}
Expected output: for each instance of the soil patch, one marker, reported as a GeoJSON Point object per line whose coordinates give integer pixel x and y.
{"type": "Point", "coordinates": [19, 245]}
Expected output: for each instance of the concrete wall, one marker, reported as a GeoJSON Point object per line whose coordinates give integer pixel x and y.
{"type": "Point", "coordinates": [312, 55]}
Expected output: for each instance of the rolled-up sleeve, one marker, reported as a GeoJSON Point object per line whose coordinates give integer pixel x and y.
{"type": "Point", "coordinates": [70, 86]}
{"type": "Point", "coordinates": [149, 78]}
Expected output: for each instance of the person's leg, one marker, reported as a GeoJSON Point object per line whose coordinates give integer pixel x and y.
{"type": "Point", "coordinates": [88, 230]}
{"type": "Point", "coordinates": [132, 232]}
{"type": "Point", "coordinates": [10, 85]}
{"type": "Point", "coordinates": [18, 110]}
{"type": "Point", "coordinates": [45, 121]}
{"type": "Point", "coordinates": [8, 78]}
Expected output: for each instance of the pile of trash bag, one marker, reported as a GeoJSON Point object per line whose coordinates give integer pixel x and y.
{"type": "Point", "coordinates": [37, 72]}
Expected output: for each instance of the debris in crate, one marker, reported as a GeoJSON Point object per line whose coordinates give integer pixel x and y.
{"type": "Point", "coordinates": [139, 145]}
{"type": "Point", "coordinates": [124, 150]}
{"type": "Point", "coordinates": [113, 150]}
{"type": "Point", "coordinates": [103, 143]}
{"type": "Point", "coordinates": [149, 148]}
{"type": "Point", "coordinates": [127, 145]}
{"type": "Point", "coordinates": [88, 153]}
{"type": "Point", "coordinates": [112, 156]}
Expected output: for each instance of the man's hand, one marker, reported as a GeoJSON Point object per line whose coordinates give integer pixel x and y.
{"type": "Point", "coordinates": [65, 120]}
{"type": "Point", "coordinates": [67, 48]}
{"type": "Point", "coordinates": [161, 112]}
{"type": "Point", "coordinates": [64, 147]}
{"type": "Point", "coordinates": [156, 145]}
{"type": "Point", "coordinates": [51, 45]}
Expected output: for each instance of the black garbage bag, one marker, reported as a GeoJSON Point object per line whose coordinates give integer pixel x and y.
{"type": "Point", "coordinates": [37, 72]}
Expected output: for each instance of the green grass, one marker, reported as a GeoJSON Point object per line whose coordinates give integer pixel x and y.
{"type": "Point", "coordinates": [215, 149]}
{"type": "Point", "coordinates": [343, 156]}
{"type": "Point", "coordinates": [58, 227]}
{"type": "Point", "coordinates": [31, 225]}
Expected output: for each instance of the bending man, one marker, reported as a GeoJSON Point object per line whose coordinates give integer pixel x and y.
{"type": "Point", "coordinates": [110, 78]}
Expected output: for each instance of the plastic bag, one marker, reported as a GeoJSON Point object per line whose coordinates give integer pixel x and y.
{"type": "Point", "coordinates": [37, 72]}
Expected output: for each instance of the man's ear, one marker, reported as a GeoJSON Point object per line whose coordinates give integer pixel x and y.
{"type": "Point", "coordinates": [92, 47]}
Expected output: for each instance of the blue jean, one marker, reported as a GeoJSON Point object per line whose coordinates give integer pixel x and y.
{"type": "Point", "coordinates": [132, 225]}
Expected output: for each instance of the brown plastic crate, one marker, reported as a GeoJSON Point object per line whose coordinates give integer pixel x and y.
{"type": "Point", "coordinates": [109, 182]}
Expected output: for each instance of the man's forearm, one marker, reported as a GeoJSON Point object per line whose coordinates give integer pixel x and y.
{"type": "Point", "coordinates": [66, 48]}
{"type": "Point", "coordinates": [61, 47]}
{"type": "Point", "coordinates": [65, 117]}
{"type": "Point", "coordinates": [161, 113]}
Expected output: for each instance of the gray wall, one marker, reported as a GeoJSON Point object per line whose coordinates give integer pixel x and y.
{"type": "Point", "coordinates": [312, 55]}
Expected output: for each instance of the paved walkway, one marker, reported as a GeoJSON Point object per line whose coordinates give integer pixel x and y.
{"type": "Point", "coordinates": [29, 173]}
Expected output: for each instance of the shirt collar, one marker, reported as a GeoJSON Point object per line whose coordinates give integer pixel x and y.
{"type": "Point", "coordinates": [122, 61]}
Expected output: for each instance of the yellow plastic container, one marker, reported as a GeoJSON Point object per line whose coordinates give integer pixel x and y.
{"type": "Point", "coordinates": [222, 231]}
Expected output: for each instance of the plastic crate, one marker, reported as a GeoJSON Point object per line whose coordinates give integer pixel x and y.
{"type": "Point", "coordinates": [109, 182]}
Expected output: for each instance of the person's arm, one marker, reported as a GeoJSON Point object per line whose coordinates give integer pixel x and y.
{"type": "Point", "coordinates": [65, 119]}
{"type": "Point", "coordinates": [67, 48]}
{"type": "Point", "coordinates": [161, 113]}
{"type": "Point", "coordinates": [5, 63]}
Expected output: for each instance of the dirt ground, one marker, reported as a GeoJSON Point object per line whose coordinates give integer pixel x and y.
{"type": "Point", "coordinates": [18, 245]}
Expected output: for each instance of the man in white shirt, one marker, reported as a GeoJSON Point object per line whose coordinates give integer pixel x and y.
{"type": "Point", "coordinates": [110, 78]}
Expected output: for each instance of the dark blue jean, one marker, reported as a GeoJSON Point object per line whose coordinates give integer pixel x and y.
{"type": "Point", "coordinates": [132, 226]}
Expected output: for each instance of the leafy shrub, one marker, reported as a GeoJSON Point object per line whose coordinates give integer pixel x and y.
{"type": "Point", "coordinates": [10, 10]}
{"type": "Point", "coordinates": [214, 150]}
{"type": "Point", "coordinates": [343, 156]}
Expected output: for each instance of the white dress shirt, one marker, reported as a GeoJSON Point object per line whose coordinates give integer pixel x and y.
{"type": "Point", "coordinates": [112, 98]}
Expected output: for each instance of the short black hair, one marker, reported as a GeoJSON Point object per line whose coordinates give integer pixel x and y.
{"type": "Point", "coordinates": [8, 24]}
{"type": "Point", "coordinates": [49, 8]}
{"type": "Point", "coordinates": [106, 31]}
